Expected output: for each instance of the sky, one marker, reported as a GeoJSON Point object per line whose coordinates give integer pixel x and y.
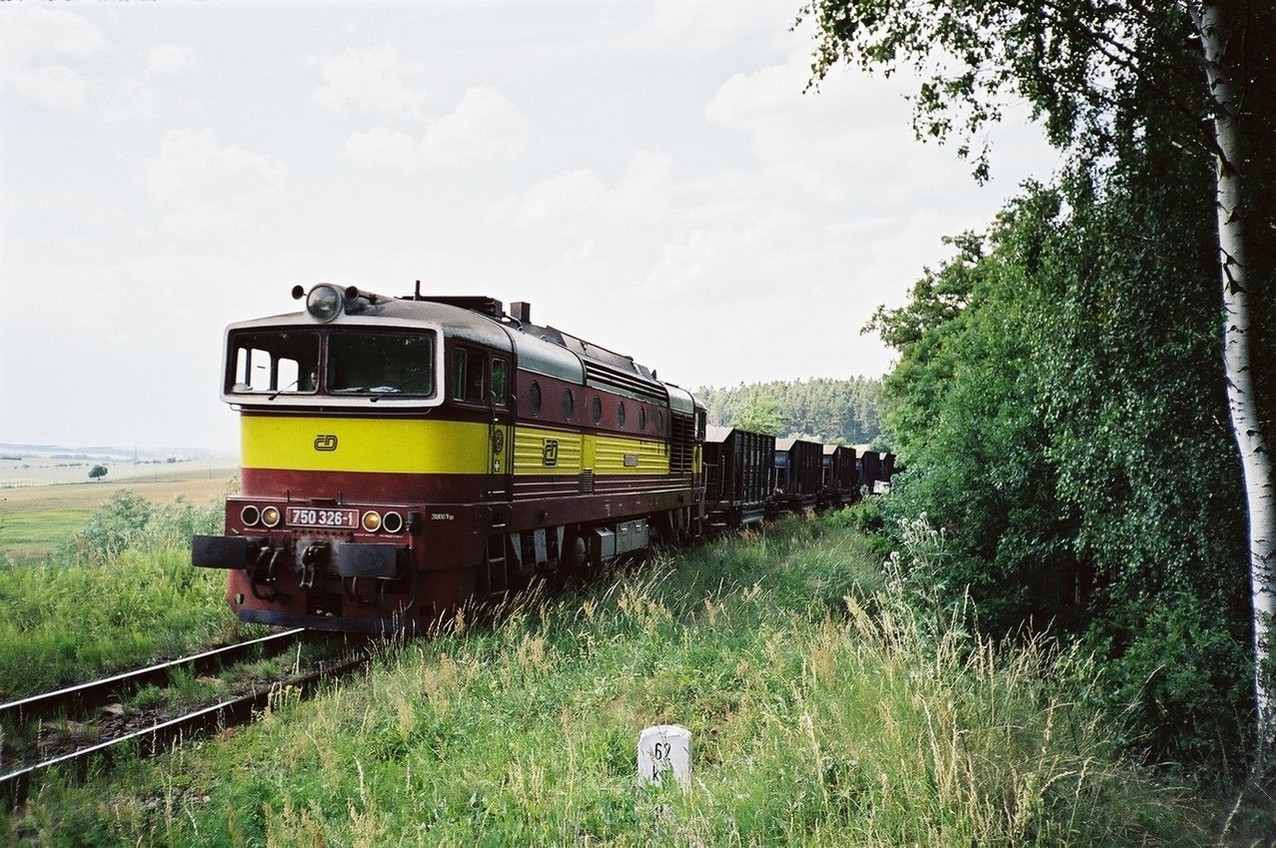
{"type": "Point", "coordinates": [652, 176]}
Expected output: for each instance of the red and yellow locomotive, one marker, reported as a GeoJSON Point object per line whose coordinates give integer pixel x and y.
{"type": "Point", "coordinates": [402, 455]}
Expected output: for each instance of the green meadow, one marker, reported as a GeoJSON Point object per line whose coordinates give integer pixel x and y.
{"type": "Point", "coordinates": [31, 532]}
{"type": "Point", "coordinates": [43, 504]}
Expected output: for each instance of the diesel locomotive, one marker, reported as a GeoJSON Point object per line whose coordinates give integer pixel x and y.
{"type": "Point", "coordinates": [403, 455]}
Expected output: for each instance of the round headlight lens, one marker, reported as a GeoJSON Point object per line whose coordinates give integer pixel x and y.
{"type": "Point", "coordinates": [372, 521]}
{"type": "Point", "coordinates": [250, 515]}
{"type": "Point", "coordinates": [392, 523]}
{"type": "Point", "coordinates": [325, 302]}
{"type": "Point", "coordinates": [270, 516]}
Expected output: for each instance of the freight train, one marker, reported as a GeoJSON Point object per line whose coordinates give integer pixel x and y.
{"type": "Point", "coordinates": [401, 456]}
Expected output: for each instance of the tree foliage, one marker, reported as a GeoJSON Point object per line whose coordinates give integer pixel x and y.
{"type": "Point", "coordinates": [1060, 399]}
{"type": "Point", "coordinates": [1059, 426]}
{"type": "Point", "coordinates": [844, 411]}
{"type": "Point", "coordinates": [759, 413]}
{"type": "Point", "coordinates": [961, 410]}
{"type": "Point", "coordinates": [1087, 69]}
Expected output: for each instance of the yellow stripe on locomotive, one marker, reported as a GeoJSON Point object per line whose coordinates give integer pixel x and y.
{"type": "Point", "coordinates": [553, 452]}
{"type": "Point", "coordinates": [566, 452]}
{"type": "Point", "coordinates": [385, 445]}
{"type": "Point", "coordinates": [435, 446]}
{"type": "Point", "coordinates": [629, 456]}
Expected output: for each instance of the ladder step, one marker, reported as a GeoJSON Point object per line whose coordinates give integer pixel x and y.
{"type": "Point", "coordinates": [497, 571]}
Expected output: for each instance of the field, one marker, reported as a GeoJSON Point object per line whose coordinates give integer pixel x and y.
{"type": "Point", "coordinates": [44, 502]}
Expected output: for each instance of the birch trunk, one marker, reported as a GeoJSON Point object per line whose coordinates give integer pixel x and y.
{"type": "Point", "coordinates": [1238, 363]}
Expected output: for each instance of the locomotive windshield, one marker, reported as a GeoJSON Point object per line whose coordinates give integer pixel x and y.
{"type": "Point", "coordinates": [274, 361]}
{"type": "Point", "coordinates": [331, 362]}
{"type": "Point", "coordinates": [380, 363]}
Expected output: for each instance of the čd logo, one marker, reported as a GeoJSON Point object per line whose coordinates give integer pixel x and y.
{"type": "Point", "coordinates": [325, 442]}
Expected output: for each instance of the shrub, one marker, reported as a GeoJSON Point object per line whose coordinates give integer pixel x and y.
{"type": "Point", "coordinates": [128, 521]}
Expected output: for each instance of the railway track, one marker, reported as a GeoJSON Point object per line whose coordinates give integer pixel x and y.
{"type": "Point", "coordinates": [154, 733]}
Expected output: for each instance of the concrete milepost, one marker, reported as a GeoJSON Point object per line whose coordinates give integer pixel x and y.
{"type": "Point", "coordinates": [664, 748]}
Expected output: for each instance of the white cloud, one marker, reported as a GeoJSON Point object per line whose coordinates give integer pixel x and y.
{"type": "Point", "coordinates": [172, 60]}
{"type": "Point", "coordinates": [130, 100]}
{"type": "Point", "coordinates": [53, 86]}
{"type": "Point", "coordinates": [383, 148]}
{"type": "Point", "coordinates": [29, 36]}
{"type": "Point", "coordinates": [485, 127]}
{"type": "Point", "coordinates": [730, 257]}
{"type": "Point", "coordinates": [850, 141]}
{"type": "Point", "coordinates": [646, 189]}
{"type": "Point", "coordinates": [31, 30]}
{"type": "Point", "coordinates": [375, 80]}
{"type": "Point", "coordinates": [578, 201]}
{"type": "Point", "coordinates": [832, 209]}
{"type": "Point", "coordinates": [562, 202]}
{"type": "Point", "coordinates": [703, 26]}
{"type": "Point", "coordinates": [203, 187]}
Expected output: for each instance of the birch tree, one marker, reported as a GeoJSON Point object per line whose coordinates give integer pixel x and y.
{"type": "Point", "coordinates": [1088, 68]}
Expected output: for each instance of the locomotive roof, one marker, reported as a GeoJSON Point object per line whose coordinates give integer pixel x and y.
{"type": "Point", "coordinates": [456, 322]}
{"type": "Point", "coordinates": [541, 349]}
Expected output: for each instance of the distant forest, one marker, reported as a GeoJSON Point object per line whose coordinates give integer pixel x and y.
{"type": "Point", "coordinates": [841, 411]}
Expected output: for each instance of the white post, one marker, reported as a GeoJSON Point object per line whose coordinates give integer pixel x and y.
{"type": "Point", "coordinates": [666, 747]}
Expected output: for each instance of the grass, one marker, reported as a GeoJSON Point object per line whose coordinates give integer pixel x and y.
{"type": "Point", "coordinates": [40, 532]}
{"type": "Point", "coordinates": [120, 593]}
{"type": "Point", "coordinates": [823, 712]}
{"type": "Point", "coordinates": [61, 624]}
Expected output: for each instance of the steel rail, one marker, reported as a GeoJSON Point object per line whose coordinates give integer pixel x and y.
{"type": "Point", "coordinates": [98, 692]}
{"type": "Point", "coordinates": [15, 786]}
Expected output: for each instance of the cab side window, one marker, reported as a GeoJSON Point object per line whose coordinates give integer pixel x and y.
{"type": "Point", "coordinates": [500, 387]}
{"type": "Point", "coordinates": [468, 375]}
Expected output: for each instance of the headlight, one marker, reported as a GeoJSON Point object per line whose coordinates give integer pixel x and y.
{"type": "Point", "coordinates": [325, 302]}
{"type": "Point", "coordinates": [371, 521]}
{"type": "Point", "coordinates": [270, 516]}
{"type": "Point", "coordinates": [250, 515]}
{"type": "Point", "coordinates": [392, 522]}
